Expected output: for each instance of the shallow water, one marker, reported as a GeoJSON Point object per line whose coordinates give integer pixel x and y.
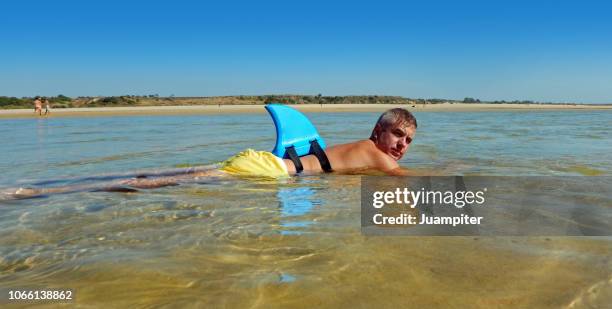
{"type": "Point", "coordinates": [290, 243]}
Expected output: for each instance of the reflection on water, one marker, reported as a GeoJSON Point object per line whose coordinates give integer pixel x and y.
{"type": "Point", "coordinates": [291, 243]}
{"type": "Point", "coordinates": [295, 203]}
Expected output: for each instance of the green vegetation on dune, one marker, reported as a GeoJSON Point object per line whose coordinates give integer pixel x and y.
{"type": "Point", "coordinates": [154, 100]}
{"type": "Point", "coordinates": [62, 101]}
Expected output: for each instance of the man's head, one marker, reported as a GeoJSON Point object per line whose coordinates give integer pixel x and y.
{"type": "Point", "coordinates": [394, 132]}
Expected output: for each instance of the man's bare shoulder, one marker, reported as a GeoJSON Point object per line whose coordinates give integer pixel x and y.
{"type": "Point", "coordinates": [358, 148]}
{"type": "Point", "coordinates": [359, 155]}
{"type": "Point", "coordinates": [365, 144]}
{"type": "Point", "coordinates": [380, 160]}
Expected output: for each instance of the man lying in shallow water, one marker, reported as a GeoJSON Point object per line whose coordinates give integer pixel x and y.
{"type": "Point", "coordinates": [389, 141]}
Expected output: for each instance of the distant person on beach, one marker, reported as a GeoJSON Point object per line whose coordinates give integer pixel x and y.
{"type": "Point", "coordinates": [37, 106]}
{"type": "Point", "coordinates": [47, 106]}
{"type": "Point", "coordinates": [389, 141]}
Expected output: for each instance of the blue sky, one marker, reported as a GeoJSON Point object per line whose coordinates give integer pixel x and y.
{"type": "Point", "coordinates": [535, 50]}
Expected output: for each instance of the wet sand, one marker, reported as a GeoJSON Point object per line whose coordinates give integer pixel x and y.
{"type": "Point", "coordinates": [311, 108]}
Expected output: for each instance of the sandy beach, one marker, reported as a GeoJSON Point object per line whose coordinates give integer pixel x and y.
{"type": "Point", "coordinates": [311, 108]}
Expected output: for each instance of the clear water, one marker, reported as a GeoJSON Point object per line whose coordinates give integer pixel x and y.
{"type": "Point", "coordinates": [290, 243]}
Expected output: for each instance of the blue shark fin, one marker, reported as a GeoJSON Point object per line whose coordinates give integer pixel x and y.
{"type": "Point", "coordinates": [293, 129]}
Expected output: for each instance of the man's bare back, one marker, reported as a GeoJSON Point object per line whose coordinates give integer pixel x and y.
{"type": "Point", "coordinates": [346, 158]}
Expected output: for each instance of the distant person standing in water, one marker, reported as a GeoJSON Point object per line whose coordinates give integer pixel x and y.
{"type": "Point", "coordinates": [47, 106]}
{"type": "Point", "coordinates": [38, 106]}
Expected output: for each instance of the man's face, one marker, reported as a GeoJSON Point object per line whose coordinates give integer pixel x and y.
{"type": "Point", "coordinates": [395, 140]}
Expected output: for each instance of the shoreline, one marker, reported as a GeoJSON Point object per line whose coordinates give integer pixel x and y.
{"type": "Point", "coordinates": [310, 108]}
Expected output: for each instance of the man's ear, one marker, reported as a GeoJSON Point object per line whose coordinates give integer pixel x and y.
{"type": "Point", "coordinates": [376, 132]}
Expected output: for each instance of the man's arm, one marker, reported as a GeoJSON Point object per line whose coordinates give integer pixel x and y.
{"type": "Point", "coordinates": [392, 168]}
{"type": "Point", "coordinates": [402, 171]}
{"type": "Point", "coordinates": [398, 172]}
{"type": "Point", "coordinates": [389, 166]}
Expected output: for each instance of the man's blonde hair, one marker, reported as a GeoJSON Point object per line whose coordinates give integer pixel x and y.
{"type": "Point", "coordinates": [394, 117]}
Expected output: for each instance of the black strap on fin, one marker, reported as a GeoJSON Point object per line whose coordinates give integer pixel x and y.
{"type": "Point", "coordinates": [295, 159]}
{"type": "Point", "coordinates": [316, 150]}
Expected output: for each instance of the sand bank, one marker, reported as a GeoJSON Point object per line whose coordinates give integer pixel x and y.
{"type": "Point", "coordinates": [231, 109]}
